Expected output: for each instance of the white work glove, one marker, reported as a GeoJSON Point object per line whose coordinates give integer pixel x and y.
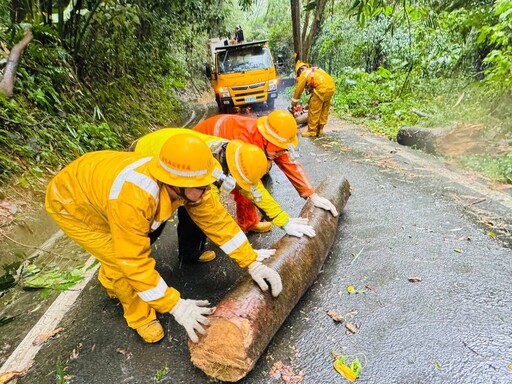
{"type": "Point", "coordinates": [264, 253]}
{"type": "Point", "coordinates": [322, 202]}
{"type": "Point", "coordinates": [191, 314]}
{"type": "Point", "coordinates": [298, 226]}
{"type": "Point", "coordinates": [260, 272]}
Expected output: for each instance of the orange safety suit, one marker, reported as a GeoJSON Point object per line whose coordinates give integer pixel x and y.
{"type": "Point", "coordinates": [243, 128]}
{"type": "Point", "coordinates": [109, 202]}
{"type": "Point", "coordinates": [321, 86]}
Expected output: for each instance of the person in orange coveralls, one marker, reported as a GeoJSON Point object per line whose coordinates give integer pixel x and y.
{"type": "Point", "coordinates": [109, 203]}
{"type": "Point", "coordinates": [276, 135]}
{"type": "Point", "coordinates": [321, 87]}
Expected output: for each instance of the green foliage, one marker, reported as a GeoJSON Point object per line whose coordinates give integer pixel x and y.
{"type": "Point", "coordinates": [50, 277]}
{"type": "Point", "coordinates": [375, 97]}
{"type": "Point", "coordinates": [160, 374]}
{"type": "Point", "coordinates": [60, 373]}
{"type": "Point", "coordinates": [499, 36]}
{"type": "Point", "coordinates": [396, 56]}
{"type": "Point", "coordinates": [496, 167]}
{"type": "Point", "coordinates": [279, 32]}
{"type": "Point", "coordinates": [112, 70]}
{"type": "Point", "coordinates": [108, 74]}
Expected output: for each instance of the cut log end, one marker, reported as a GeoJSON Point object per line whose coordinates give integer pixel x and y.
{"type": "Point", "coordinates": [222, 351]}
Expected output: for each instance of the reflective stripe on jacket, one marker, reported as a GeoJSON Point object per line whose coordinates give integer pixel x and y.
{"type": "Point", "coordinates": [244, 128]}
{"type": "Point", "coordinates": [114, 192]}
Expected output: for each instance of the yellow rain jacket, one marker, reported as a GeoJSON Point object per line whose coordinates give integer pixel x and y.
{"type": "Point", "coordinates": [109, 202]}
{"type": "Point", "coordinates": [315, 80]}
{"type": "Point", "coordinates": [151, 144]}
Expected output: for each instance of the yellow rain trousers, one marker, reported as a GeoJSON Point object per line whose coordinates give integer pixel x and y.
{"type": "Point", "coordinates": [321, 86]}
{"type": "Point", "coordinates": [151, 144]}
{"type": "Point", "coordinates": [108, 202]}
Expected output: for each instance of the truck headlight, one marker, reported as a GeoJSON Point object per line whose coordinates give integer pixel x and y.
{"type": "Point", "coordinates": [224, 92]}
{"type": "Point", "coordinates": [272, 85]}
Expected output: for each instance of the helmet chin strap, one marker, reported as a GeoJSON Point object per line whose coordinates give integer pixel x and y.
{"type": "Point", "coordinates": [180, 191]}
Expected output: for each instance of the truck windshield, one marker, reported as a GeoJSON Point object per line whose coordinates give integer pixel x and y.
{"type": "Point", "coordinates": [246, 59]}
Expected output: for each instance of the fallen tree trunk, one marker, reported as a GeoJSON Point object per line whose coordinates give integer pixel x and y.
{"type": "Point", "coordinates": [9, 77]}
{"type": "Point", "coordinates": [425, 139]}
{"type": "Point", "coordinates": [247, 318]}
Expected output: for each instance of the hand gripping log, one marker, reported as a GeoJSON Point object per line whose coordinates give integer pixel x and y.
{"type": "Point", "coordinates": [247, 318]}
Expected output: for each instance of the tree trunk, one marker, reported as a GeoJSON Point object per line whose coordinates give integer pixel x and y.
{"type": "Point", "coordinates": [297, 42]}
{"type": "Point", "coordinates": [9, 77]}
{"type": "Point", "coordinates": [247, 318]}
{"type": "Point", "coordinates": [303, 36]}
{"type": "Point", "coordinates": [425, 139]}
{"type": "Point", "coordinates": [315, 27]}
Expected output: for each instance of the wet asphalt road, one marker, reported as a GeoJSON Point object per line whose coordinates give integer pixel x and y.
{"type": "Point", "coordinates": [410, 216]}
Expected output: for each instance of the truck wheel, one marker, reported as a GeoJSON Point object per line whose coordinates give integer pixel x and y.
{"type": "Point", "coordinates": [223, 108]}
{"type": "Point", "coordinates": [219, 105]}
{"type": "Point", "coordinates": [270, 103]}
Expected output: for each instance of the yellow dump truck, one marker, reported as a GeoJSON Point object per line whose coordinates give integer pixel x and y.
{"type": "Point", "coordinates": [242, 74]}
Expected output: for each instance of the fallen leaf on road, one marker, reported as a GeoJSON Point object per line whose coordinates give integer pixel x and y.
{"type": "Point", "coordinates": [285, 372]}
{"type": "Point", "coordinates": [345, 371]}
{"type": "Point", "coordinates": [414, 279]}
{"type": "Point", "coordinates": [351, 327]}
{"type": "Point", "coordinates": [458, 250]}
{"type": "Point", "coordinates": [75, 352]}
{"type": "Point", "coordinates": [42, 338]}
{"type": "Point", "coordinates": [350, 373]}
{"type": "Point", "coordinates": [125, 353]}
{"type": "Point", "coordinates": [335, 316]}
{"type": "Point", "coordinates": [8, 376]}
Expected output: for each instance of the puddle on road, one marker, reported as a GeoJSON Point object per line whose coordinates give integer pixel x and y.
{"type": "Point", "coordinates": [25, 301]}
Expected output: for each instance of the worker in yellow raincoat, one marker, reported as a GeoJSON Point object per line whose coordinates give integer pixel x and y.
{"type": "Point", "coordinates": [109, 202]}
{"type": "Point", "coordinates": [321, 87]}
{"type": "Point", "coordinates": [244, 165]}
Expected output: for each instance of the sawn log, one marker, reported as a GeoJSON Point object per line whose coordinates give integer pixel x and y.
{"type": "Point", "coordinates": [247, 318]}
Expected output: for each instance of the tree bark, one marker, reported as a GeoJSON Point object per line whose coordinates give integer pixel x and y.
{"type": "Point", "coordinates": [247, 318]}
{"type": "Point", "coordinates": [297, 42]}
{"type": "Point", "coordinates": [9, 77]}
{"type": "Point", "coordinates": [305, 25]}
{"type": "Point", "coordinates": [425, 139]}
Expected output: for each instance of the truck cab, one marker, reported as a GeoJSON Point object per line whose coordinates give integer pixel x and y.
{"type": "Point", "coordinates": [242, 74]}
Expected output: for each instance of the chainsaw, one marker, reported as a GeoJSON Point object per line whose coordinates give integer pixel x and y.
{"type": "Point", "coordinates": [300, 114]}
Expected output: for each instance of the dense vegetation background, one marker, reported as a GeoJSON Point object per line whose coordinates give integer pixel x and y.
{"type": "Point", "coordinates": [98, 74]}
